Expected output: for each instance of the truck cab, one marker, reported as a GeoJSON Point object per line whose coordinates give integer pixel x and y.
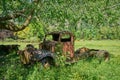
{"type": "Point", "coordinates": [59, 43]}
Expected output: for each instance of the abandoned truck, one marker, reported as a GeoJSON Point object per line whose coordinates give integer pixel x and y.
{"type": "Point", "coordinates": [58, 44]}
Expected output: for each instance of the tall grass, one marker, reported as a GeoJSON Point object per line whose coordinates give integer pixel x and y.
{"type": "Point", "coordinates": [12, 69]}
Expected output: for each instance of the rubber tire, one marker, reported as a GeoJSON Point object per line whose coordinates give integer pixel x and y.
{"type": "Point", "coordinates": [48, 62]}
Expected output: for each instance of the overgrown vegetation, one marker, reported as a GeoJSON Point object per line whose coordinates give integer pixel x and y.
{"type": "Point", "coordinates": [87, 19]}
{"type": "Point", "coordinates": [12, 69]}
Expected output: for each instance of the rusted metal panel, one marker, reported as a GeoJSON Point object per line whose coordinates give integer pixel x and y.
{"type": "Point", "coordinates": [48, 45]}
{"type": "Point", "coordinates": [68, 48]}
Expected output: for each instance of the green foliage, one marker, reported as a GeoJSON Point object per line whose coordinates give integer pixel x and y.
{"type": "Point", "coordinates": [92, 33]}
{"type": "Point", "coordinates": [37, 29]}
{"type": "Point", "coordinates": [87, 19]}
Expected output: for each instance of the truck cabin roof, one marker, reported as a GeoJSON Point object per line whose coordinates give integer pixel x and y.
{"type": "Point", "coordinates": [62, 36]}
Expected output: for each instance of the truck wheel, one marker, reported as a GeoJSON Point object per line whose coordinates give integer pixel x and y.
{"type": "Point", "coordinates": [48, 62]}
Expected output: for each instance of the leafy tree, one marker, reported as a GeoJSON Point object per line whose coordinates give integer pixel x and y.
{"type": "Point", "coordinates": [85, 18]}
{"type": "Point", "coordinates": [16, 15]}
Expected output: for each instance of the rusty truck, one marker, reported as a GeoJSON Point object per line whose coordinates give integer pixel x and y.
{"type": "Point", "coordinates": [61, 43]}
